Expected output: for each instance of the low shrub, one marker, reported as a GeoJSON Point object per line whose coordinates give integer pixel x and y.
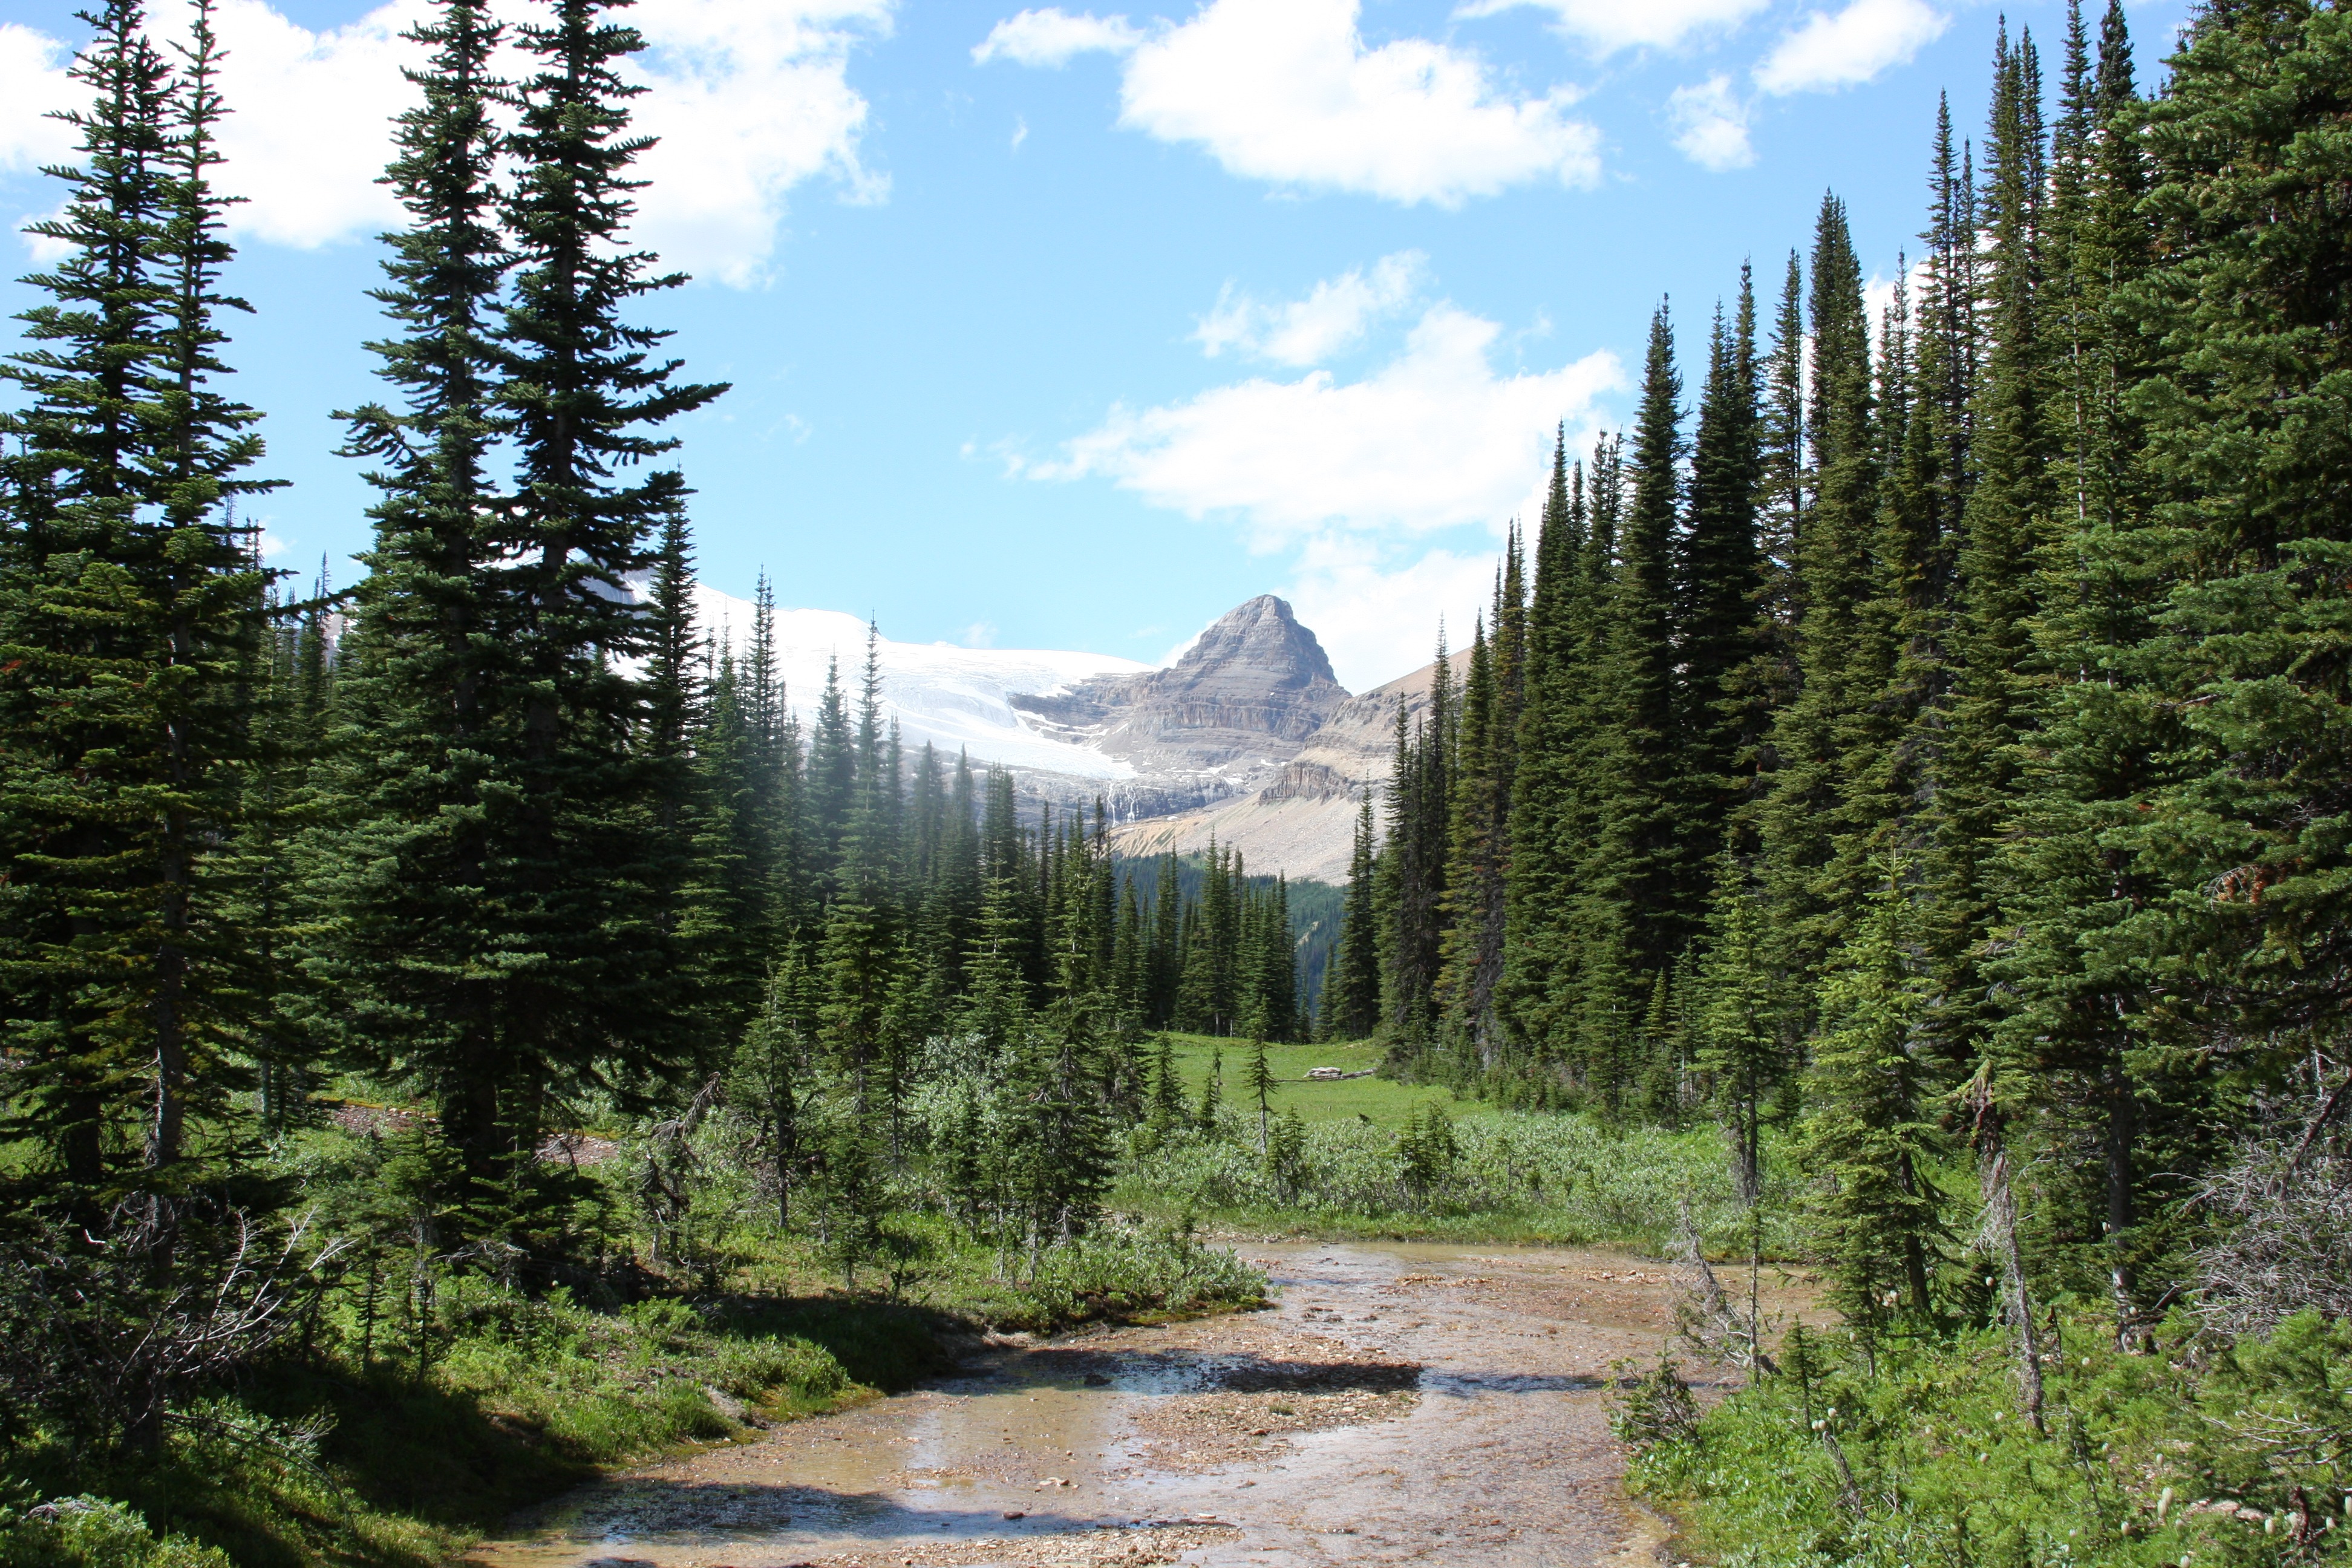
{"type": "Point", "coordinates": [1561, 1178]}
{"type": "Point", "coordinates": [2204, 1453]}
{"type": "Point", "coordinates": [92, 1533]}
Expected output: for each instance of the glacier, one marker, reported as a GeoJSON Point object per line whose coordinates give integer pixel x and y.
{"type": "Point", "coordinates": [955, 698]}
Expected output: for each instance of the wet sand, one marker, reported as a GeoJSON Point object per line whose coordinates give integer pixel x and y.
{"type": "Point", "coordinates": [1402, 1404]}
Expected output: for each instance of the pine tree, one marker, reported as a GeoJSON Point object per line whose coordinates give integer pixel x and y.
{"type": "Point", "coordinates": [558, 970]}
{"type": "Point", "coordinates": [132, 617]}
{"type": "Point", "coordinates": [1166, 966]}
{"type": "Point", "coordinates": [1259, 1080]}
{"type": "Point", "coordinates": [2181, 910]}
{"type": "Point", "coordinates": [1213, 1094]}
{"type": "Point", "coordinates": [1353, 993]}
{"type": "Point", "coordinates": [1738, 1012]}
{"type": "Point", "coordinates": [2002, 535]}
{"type": "Point", "coordinates": [1633, 890]}
{"type": "Point", "coordinates": [1797, 818]}
{"type": "Point", "coordinates": [726, 923]}
{"type": "Point", "coordinates": [1412, 891]}
{"type": "Point", "coordinates": [1544, 783]}
{"type": "Point", "coordinates": [1867, 1132]}
{"type": "Point", "coordinates": [1716, 583]}
{"type": "Point", "coordinates": [414, 870]}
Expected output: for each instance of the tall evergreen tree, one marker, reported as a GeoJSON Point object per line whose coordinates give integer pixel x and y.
{"type": "Point", "coordinates": [133, 619]}
{"type": "Point", "coordinates": [1716, 583]}
{"type": "Point", "coordinates": [410, 875]}
{"type": "Point", "coordinates": [2002, 535]}
{"type": "Point", "coordinates": [1833, 568]}
{"type": "Point", "coordinates": [1634, 880]}
{"type": "Point", "coordinates": [1352, 994]}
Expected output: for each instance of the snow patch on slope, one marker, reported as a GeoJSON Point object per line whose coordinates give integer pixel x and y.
{"type": "Point", "coordinates": [955, 698]}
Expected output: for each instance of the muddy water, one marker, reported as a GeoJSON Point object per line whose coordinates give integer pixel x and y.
{"type": "Point", "coordinates": [1402, 1403]}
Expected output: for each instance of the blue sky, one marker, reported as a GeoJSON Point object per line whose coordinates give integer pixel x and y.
{"type": "Point", "coordinates": [1070, 329]}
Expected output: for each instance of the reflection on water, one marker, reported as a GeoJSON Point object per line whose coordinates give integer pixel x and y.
{"type": "Point", "coordinates": [1021, 1448]}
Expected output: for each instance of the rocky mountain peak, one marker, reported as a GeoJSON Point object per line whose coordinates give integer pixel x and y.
{"type": "Point", "coordinates": [1219, 721]}
{"type": "Point", "coordinates": [1260, 641]}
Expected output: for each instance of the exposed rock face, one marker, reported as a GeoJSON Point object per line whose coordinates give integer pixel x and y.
{"type": "Point", "coordinates": [1303, 821]}
{"type": "Point", "coordinates": [1220, 721]}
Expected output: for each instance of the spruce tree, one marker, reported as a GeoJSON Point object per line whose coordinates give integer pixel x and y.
{"type": "Point", "coordinates": [558, 970]}
{"type": "Point", "coordinates": [1634, 886]}
{"type": "Point", "coordinates": [132, 617]}
{"type": "Point", "coordinates": [1717, 584]}
{"type": "Point", "coordinates": [583, 398]}
{"type": "Point", "coordinates": [1867, 1133]}
{"type": "Point", "coordinates": [1353, 991]}
{"type": "Point", "coordinates": [410, 876]}
{"type": "Point", "coordinates": [1259, 1080]}
{"type": "Point", "coordinates": [1738, 1012]}
{"type": "Point", "coordinates": [1544, 852]}
{"type": "Point", "coordinates": [2002, 536]}
{"type": "Point", "coordinates": [1797, 818]}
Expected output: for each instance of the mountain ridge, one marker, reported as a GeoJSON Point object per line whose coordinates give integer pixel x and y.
{"type": "Point", "coordinates": [1246, 735]}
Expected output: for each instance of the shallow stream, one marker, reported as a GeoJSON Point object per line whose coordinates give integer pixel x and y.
{"type": "Point", "coordinates": [1403, 1403]}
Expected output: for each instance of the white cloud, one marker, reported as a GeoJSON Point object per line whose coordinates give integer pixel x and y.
{"type": "Point", "coordinates": [308, 127]}
{"type": "Point", "coordinates": [1052, 37]}
{"type": "Point", "coordinates": [1434, 440]}
{"type": "Point", "coordinates": [749, 99]}
{"type": "Point", "coordinates": [1612, 25]}
{"type": "Point", "coordinates": [1332, 317]}
{"type": "Point", "coordinates": [1377, 612]}
{"type": "Point", "coordinates": [34, 84]}
{"type": "Point", "coordinates": [1711, 125]}
{"type": "Point", "coordinates": [1286, 91]}
{"type": "Point", "coordinates": [1865, 38]}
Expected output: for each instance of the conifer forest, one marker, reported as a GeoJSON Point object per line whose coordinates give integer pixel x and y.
{"type": "Point", "coordinates": [1892, 827]}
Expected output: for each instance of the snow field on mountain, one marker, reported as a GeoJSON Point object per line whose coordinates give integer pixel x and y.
{"type": "Point", "coordinates": [954, 698]}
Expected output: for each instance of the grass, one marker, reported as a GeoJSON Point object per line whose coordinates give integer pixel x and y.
{"type": "Point", "coordinates": [2207, 1454]}
{"type": "Point", "coordinates": [322, 1462]}
{"type": "Point", "coordinates": [1382, 1101]}
{"type": "Point", "coordinates": [511, 1398]}
{"type": "Point", "coordinates": [401, 1460]}
{"type": "Point", "coordinates": [1371, 1161]}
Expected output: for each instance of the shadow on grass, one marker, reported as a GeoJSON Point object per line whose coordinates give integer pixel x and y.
{"type": "Point", "coordinates": [887, 1346]}
{"type": "Point", "coordinates": [400, 1473]}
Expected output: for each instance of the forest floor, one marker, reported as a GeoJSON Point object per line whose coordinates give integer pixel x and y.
{"type": "Point", "coordinates": [1401, 1403]}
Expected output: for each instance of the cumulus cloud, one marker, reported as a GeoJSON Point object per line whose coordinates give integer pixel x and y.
{"type": "Point", "coordinates": [1052, 37]}
{"type": "Point", "coordinates": [749, 98]}
{"type": "Point", "coordinates": [1850, 48]}
{"type": "Point", "coordinates": [1332, 318]}
{"type": "Point", "coordinates": [34, 85]}
{"type": "Point", "coordinates": [1287, 91]}
{"type": "Point", "coordinates": [1711, 125]}
{"type": "Point", "coordinates": [1433, 439]}
{"type": "Point", "coordinates": [1609, 26]}
{"type": "Point", "coordinates": [309, 128]}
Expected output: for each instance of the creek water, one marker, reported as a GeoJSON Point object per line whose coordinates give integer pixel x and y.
{"type": "Point", "coordinates": [1401, 1403]}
